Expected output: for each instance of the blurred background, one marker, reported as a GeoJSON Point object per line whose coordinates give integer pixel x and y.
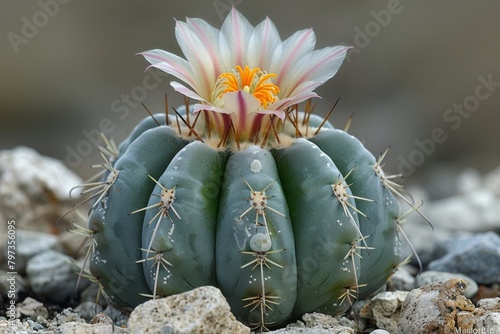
{"type": "Point", "coordinates": [423, 76]}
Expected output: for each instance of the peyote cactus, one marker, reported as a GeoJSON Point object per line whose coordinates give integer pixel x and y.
{"type": "Point", "coordinates": [280, 210]}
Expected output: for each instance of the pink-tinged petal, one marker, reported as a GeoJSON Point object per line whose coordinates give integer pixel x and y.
{"type": "Point", "coordinates": [186, 91]}
{"type": "Point", "coordinates": [290, 52]}
{"type": "Point", "coordinates": [198, 107]}
{"type": "Point", "coordinates": [280, 113]}
{"type": "Point", "coordinates": [305, 87]}
{"type": "Point", "coordinates": [197, 55]}
{"type": "Point", "coordinates": [241, 104]}
{"type": "Point", "coordinates": [319, 66]}
{"type": "Point", "coordinates": [171, 64]}
{"type": "Point", "coordinates": [236, 31]}
{"type": "Point", "coordinates": [219, 118]}
{"type": "Point", "coordinates": [288, 102]}
{"type": "Point", "coordinates": [209, 36]}
{"type": "Point", "coordinates": [263, 42]}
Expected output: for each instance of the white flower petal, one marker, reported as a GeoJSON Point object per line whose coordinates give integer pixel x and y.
{"type": "Point", "coordinates": [171, 64]}
{"type": "Point", "coordinates": [198, 57]}
{"type": "Point", "coordinates": [236, 31]}
{"type": "Point", "coordinates": [318, 66]}
{"type": "Point", "coordinates": [290, 52]}
{"type": "Point", "coordinates": [185, 91]}
{"type": "Point", "coordinates": [263, 42]}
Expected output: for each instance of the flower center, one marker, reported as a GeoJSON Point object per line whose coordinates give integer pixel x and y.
{"type": "Point", "coordinates": [253, 81]}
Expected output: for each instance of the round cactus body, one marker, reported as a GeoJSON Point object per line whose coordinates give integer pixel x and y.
{"type": "Point", "coordinates": [299, 227]}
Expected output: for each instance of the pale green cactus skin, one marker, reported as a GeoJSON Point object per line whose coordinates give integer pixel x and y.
{"type": "Point", "coordinates": [265, 225]}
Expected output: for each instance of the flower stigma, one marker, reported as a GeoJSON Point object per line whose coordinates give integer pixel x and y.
{"type": "Point", "coordinates": [253, 81]}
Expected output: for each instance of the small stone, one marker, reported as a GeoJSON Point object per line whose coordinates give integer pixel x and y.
{"type": "Point", "coordinates": [386, 309]}
{"type": "Point", "coordinates": [32, 308]}
{"type": "Point", "coordinates": [428, 277]}
{"type": "Point", "coordinates": [66, 316]}
{"type": "Point", "coordinates": [101, 318]}
{"type": "Point", "coordinates": [489, 303]}
{"type": "Point", "coordinates": [31, 243]}
{"type": "Point", "coordinates": [202, 310]}
{"type": "Point", "coordinates": [433, 308]}
{"type": "Point", "coordinates": [53, 276]}
{"type": "Point", "coordinates": [489, 323]}
{"type": "Point", "coordinates": [87, 310]}
{"type": "Point", "coordinates": [477, 257]}
{"type": "Point", "coordinates": [119, 318]}
{"type": "Point", "coordinates": [380, 331]}
{"type": "Point", "coordinates": [402, 280]}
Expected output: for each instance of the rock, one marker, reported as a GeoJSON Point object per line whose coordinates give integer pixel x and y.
{"type": "Point", "coordinates": [34, 190]}
{"type": "Point", "coordinates": [384, 309]}
{"type": "Point", "coordinates": [489, 303]}
{"type": "Point", "coordinates": [489, 323]}
{"type": "Point", "coordinates": [433, 308]}
{"type": "Point", "coordinates": [477, 257]}
{"type": "Point", "coordinates": [101, 318]}
{"type": "Point", "coordinates": [315, 323]}
{"type": "Point", "coordinates": [475, 211]}
{"type": "Point", "coordinates": [380, 331]}
{"type": "Point", "coordinates": [428, 277]}
{"type": "Point", "coordinates": [427, 241]}
{"type": "Point", "coordinates": [53, 276]}
{"type": "Point", "coordinates": [402, 280]}
{"type": "Point", "coordinates": [88, 310]}
{"type": "Point", "coordinates": [31, 308]}
{"type": "Point", "coordinates": [29, 244]}
{"type": "Point", "coordinates": [202, 310]}
{"type": "Point", "coordinates": [119, 318]}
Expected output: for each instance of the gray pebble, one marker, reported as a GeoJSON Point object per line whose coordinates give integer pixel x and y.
{"type": "Point", "coordinates": [402, 280]}
{"type": "Point", "coordinates": [477, 257]}
{"type": "Point", "coordinates": [53, 276]}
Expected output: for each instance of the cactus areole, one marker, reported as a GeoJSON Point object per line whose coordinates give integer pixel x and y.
{"type": "Point", "coordinates": [241, 190]}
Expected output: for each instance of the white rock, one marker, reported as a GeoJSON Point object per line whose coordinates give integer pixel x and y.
{"type": "Point", "coordinates": [202, 310]}
{"type": "Point", "coordinates": [488, 323]}
{"type": "Point", "coordinates": [386, 309]}
{"type": "Point", "coordinates": [32, 188]}
{"type": "Point", "coordinates": [489, 303]}
{"type": "Point", "coordinates": [380, 331]}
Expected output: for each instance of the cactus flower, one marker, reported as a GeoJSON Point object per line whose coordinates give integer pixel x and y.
{"type": "Point", "coordinates": [245, 75]}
